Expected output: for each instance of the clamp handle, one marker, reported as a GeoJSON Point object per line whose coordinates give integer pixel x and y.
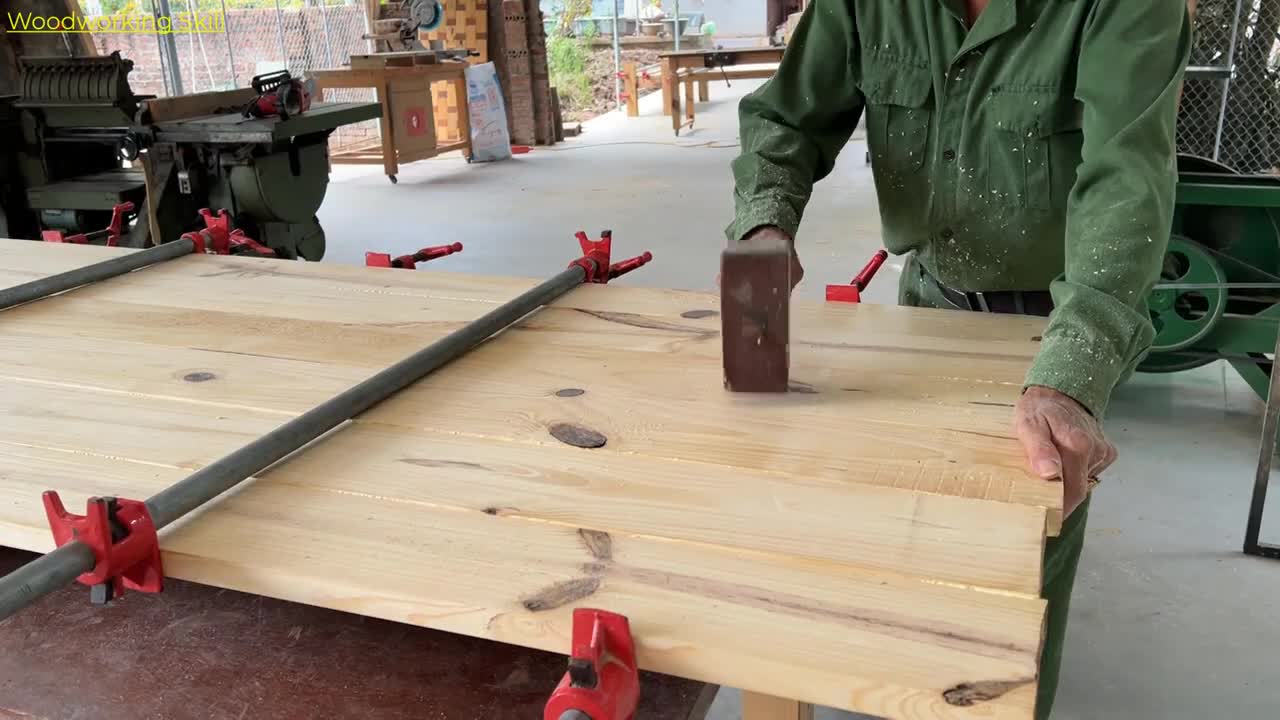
{"type": "Point", "coordinates": [603, 682]}
{"type": "Point", "coordinates": [852, 293]}
{"type": "Point", "coordinates": [409, 262]}
{"type": "Point", "coordinates": [122, 537]}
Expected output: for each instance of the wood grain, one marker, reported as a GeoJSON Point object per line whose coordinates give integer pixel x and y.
{"type": "Point", "coordinates": [868, 541]}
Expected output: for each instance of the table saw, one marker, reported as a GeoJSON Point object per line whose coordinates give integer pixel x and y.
{"type": "Point", "coordinates": [78, 119]}
{"type": "Point", "coordinates": [868, 541]}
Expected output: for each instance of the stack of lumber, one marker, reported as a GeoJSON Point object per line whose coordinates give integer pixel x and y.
{"type": "Point", "coordinates": [869, 541]}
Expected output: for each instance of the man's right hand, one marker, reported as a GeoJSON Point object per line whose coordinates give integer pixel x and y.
{"type": "Point", "coordinates": [773, 232]}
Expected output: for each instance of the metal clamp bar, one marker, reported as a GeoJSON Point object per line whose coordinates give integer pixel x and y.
{"type": "Point", "coordinates": [60, 567]}
{"type": "Point", "coordinates": [54, 284]}
{"type": "Point", "coordinates": [1262, 478]}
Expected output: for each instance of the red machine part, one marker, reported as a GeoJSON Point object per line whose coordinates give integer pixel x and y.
{"type": "Point", "coordinates": [852, 292]}
{"type": "Point", "coordinates": [279, 95]}
{"type": "Point", "coordinates": [603, 682]}
{"type": "Point", "coordinates": [112, 232]}
{"type": "Point", "coordinates": [219, 239]}
{"type": "Point", "coordinates": [409, 262]}
{"type": "Point", "coordinates": [596, 255]}
{"type": "Point", "coordinates": [122, 537]}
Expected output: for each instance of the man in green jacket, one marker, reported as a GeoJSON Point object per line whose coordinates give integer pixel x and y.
{"type": "Point", "coordinates": [1023, 153]}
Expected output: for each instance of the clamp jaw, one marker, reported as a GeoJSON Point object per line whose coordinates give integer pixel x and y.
{"type": "Point", "coordinates": [596, 256]}
{"type": "Point", "coordinates": [123, 539]}
{"type": "Point", "coordinates": [603, 682]}
{"type": "Point", "coordinates": [852, 293]}
{"type": "Point", "coordinates": [219, 239]}
{"type": "Point", "coordinates": [409, 262]}
{"type": "Point", "coordinates": [112, 232]}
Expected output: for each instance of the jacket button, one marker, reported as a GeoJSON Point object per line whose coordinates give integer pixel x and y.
{"type": "Point", "coordinates": [948, 155]}
{"type": "Point", "coordinates": [947, 233]}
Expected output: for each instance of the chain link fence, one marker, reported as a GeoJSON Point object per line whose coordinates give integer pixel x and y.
{"type": "Point", "coordinates": [223, 44]}
{"type": "Point", "coordinates": [1231, 101]}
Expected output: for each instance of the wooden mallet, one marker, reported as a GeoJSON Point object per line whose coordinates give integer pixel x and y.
{"type": "Point", "coordinates": [755, 295]}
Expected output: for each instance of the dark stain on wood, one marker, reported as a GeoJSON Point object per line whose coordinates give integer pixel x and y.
{"type": "Point", "coordinates": [649, 323]}
{"type": "Point", "coordinates": [799, 606]}
{"type": "Point", "coordinates": [991, 404]}
{"type": "Point", "coordinates": [198, 377]}
{"type": "Point", "coordinates": [577, 436]}
{"type": "Point", "coordinates": [598, 543]}
{"type": "Point", "coordinates": [1036, 338]}
{"type": "Point", "coordinates": [433, 463]}
{"type": "Point", "coordinates": [968, 694]}
{"type": "Point", "coordinates": [570, 392]}
{"type": "Point", "coordinates": [561, 593]}
{"type": "Point", "coordinates": [852, 390]}
{"type": "Point", "coordinates": [804, 388]}
{"type": "Point", "coordinates": [498, 510]}
{"type": "Point", "coordinates": [698, 314]}
{"type": "Point", "coordinates": [957, 354]}
{"type": "Point", "coordinates": [982, 434]}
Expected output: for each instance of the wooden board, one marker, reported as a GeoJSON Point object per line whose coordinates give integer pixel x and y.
{"type": "Point", "coordinates": [869, 541]}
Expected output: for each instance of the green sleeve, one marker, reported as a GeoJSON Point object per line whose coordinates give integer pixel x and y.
{"type": "Point", "coordinates": [1120, 210]}
{"type": "Point", "coordinates": [793, 127]}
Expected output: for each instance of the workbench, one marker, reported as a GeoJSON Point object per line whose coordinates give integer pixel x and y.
{"type": "Point", "coordinates": [869, 541]}
{"type": "Point", "coordinates": [407, 131]}
{"type": "Point", "coordinates": [702, 66]}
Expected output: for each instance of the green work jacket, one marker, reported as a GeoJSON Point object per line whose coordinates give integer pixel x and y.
{"type": "Point", "coordinates": [1032, 151]}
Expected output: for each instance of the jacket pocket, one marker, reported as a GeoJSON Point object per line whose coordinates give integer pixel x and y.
{"type": "Point", "coordinates": [1035, 148]}
{"type": "Point", "coordinates": [899, 112]}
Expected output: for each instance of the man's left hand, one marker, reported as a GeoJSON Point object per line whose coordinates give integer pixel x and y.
{"type": "Point", "coordinates": [1062, 440]}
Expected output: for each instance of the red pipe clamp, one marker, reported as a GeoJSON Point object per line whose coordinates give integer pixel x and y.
{"type": "Point", "coordinates": [596, 256]}
{"type": "Point", "coordinates": [603, 682]}
{"type": "Point", "coordinates": [409, 262]}
{"type": "Point", "coordinates": [219, 239]}
{"type": "Point", "coordinates": [122, 537]}
{"type": "Point", "coordinates": [852, 293]}
{"type": "Point", "coordinates": [112, 232]}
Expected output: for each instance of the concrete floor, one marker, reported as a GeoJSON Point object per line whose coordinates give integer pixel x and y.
{"type": "Point", "coordinates": [1169, 619]}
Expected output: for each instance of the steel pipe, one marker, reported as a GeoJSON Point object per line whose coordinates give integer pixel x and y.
{"type": "Point", "coordinates": [58, 568]}
{"type": "Point", "coordinates": [44, 287]}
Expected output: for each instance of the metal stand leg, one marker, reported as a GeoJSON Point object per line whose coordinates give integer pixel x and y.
{"type": "Point", "coordinates": [1270, 420]}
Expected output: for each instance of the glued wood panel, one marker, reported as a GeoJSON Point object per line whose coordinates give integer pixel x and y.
{"type": "Point", "coordinates": [869, 541]}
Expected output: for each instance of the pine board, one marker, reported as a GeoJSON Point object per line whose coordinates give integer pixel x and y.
{"type": "Point", "coordinates": [870, 545]}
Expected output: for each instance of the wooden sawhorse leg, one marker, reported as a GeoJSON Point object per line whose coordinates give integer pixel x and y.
{"type": "Point", "coordinates": [704, 90]}
{"type": "Point", "coordinates": [766, 707]}
{"type": "Point", "coordinates": [670, 88]}
{"type": "Point", "coordinates": [688, 104]}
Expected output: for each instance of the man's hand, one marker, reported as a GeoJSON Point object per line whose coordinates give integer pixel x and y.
{"type": "Point", "coordinates": [768, 232]}
{"type": "Point", "coordinates": [1062, 440]}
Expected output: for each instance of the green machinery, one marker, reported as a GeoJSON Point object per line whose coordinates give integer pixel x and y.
{"type": "Point", "coordinates": [88, 143]}
{"type": "Point", "coordinates": [1218, 297]}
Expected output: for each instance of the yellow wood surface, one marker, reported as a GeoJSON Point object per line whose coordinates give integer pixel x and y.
{"type": "Point", "coordinates": [869, 542]}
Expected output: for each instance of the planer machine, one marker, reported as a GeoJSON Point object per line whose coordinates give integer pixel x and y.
{"type": "Point", "coordinates": [87, 146]}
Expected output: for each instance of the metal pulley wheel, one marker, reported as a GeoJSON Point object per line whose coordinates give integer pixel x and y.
{"type": "Point", "coordinates": [1182, 317]}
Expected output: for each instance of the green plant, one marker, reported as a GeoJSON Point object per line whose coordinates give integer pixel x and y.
{"type": "Point", "coordinates": [567, 61]}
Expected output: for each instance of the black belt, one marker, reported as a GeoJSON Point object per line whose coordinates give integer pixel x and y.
{"type": "Point", "coordinates": [1015, 302]}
